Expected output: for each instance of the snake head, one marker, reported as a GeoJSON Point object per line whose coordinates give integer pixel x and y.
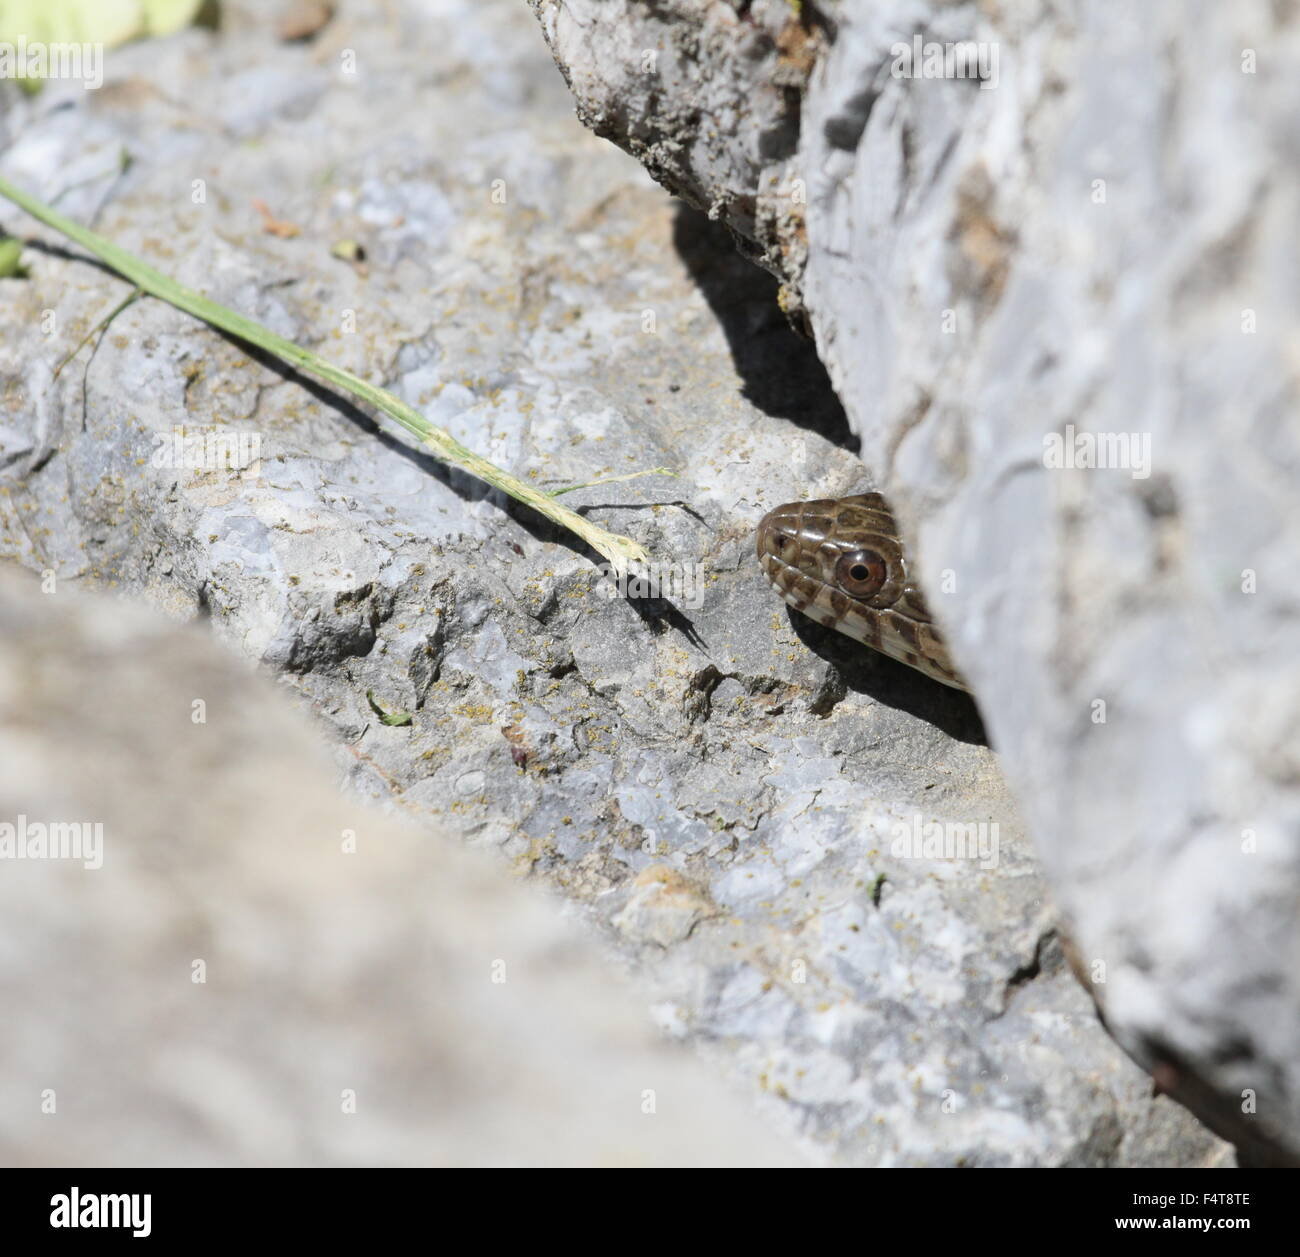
{"type": "Point", "coordinates": [842, 563]}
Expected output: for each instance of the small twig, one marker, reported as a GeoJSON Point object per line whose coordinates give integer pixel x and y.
{"type": "Point", "coordinates": [101, 325]}
{"type": "Point", "coordinates": [631, 475]}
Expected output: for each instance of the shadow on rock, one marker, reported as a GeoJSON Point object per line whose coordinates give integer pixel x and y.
{"type": "Point", "coordinates": [780, 370]}
{"type": "Point", "coordinates": [865, 671]}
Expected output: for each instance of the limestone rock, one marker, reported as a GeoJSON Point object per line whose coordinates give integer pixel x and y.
{"type": "Point", "coordinates": [727, 797]}
{"type": "Point", "coordinates": [1081, 252]}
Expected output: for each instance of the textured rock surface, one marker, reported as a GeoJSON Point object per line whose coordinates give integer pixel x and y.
{"type": "Point", "coordinates": [1096, 241]}
{"type": "Point", "coordinates": [718, 797]}
{"type": "Point", "coordinates": [246, 967]}
{"type": "Point", "coordinates": [707, 96]}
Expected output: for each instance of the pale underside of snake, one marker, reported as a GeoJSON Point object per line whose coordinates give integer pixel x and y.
{"type": "Point", "coordinates": [842, 562]}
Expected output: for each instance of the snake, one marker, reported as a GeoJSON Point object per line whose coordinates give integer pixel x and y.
{"type": "Point", "coordinates": [842, 562]}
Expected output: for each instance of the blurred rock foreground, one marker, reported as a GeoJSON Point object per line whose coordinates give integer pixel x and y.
{"type": "Point", "coordinates": [716, 789]}
{"type": "Point", "coordinates": [253, 969]}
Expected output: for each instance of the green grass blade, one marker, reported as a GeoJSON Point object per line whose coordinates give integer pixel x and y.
{"type": "Point", "coordinates": [620, 551]}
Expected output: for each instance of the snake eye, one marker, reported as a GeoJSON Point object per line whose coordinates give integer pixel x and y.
{"type": "Point", "coordinates": [860, 573]}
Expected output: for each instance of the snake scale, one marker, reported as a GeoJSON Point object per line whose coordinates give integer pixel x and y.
{"type": "Point", "coordinates": [842, 562]}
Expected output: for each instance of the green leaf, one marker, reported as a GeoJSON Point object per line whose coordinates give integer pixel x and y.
{"type": "Point", "coordinates": [387, 717]}
{"type": "Point", "coordinates": [11, 251]}
{"type": "Point", "coordinates": [107, 22]}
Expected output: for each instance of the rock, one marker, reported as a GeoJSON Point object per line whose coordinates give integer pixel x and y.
{"type": "Point", "coordinates": [707, 97]}
{"type": "Point", "coordinates": [728, 797]}
{"type": "Point", "coordinates": [245, 967]}
{"type": "Point", "coordinates": [664, 907]}
{"type": "Point", "coordinates": [1077, 253]}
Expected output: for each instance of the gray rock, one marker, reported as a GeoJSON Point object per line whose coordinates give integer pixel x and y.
{"type": "Point", "coordinates": [1088, 239]}
{"type": "Point", "coordinates": [725, 795]}
{"type": "Point", "coordinates": [232, 963]}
